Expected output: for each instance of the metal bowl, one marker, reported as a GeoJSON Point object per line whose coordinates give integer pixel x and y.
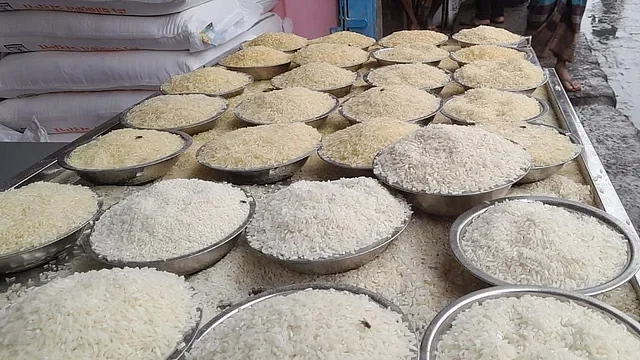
{"type": "Point", "coordinates": [348, 170]}
{"type": "Point", "coordinates": [192, 129]}
{"type": "Point", "coordinates": [262, 72]}
{"type": "Point", "coordinates": [315, 121]}
{"type": "Point", "coordinates": [385, 47]}
{"type": "Point", "coordinates": [523, 42]}
{"type": "Point", "coordinates": [244, 46]}
{"type": "Point", "coordinates": [288, 290]}
{"type": "Point", "coordinates": [30, 258]}
{"type": "Point", "coordinates": [422, 121]}
{"type": "Point", "coordinates": [544, 110]}
{"type": "Point", "coordinates": [354, 67]}
{"type": "Point", "coordinates": [527, 53]}
{"type": "Point", "coordinates": [132, 175]}
{"type": "Point", "coordinates": [461, 224]}
{"type": "Point", "coordinates": [338, 92]}
{"type": "Point", "coordinates": [443, 321]}
{"type": "Point", "coordinates": [435, 90]}
{"type": "Point", "coordinates": [187, 339]}
{"type": "Point", "coordinates": [225, 94]}
{"type": "Point", "coordinates": [338, 263]}
{"type": "Point", "coordinates": [188, 263]}
{"type": "Point", "coordinates": [526, 91]}
{"type": "Point", "coordinates": [376, 55]}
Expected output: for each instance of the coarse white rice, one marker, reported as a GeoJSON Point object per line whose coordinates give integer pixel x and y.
{"type": "Point", "coordinates": [208, 80]}
{"type": "Point", "coordinates": [280, 41]}
{"type": "Point", "coordinates": [319, 323]}
{"type": "Point", "coordinates": [449, 159]}
{"type": "Point", "coordinates": [335, 54]}
{"type": "Point", "coordinates": [484, 105]}
{"type": "Point", "coordinates": [533, 328]}
{"type": "Point", "coordinates": [422, 76]}
{"type": "Point", "coordinates": [404, 37]}
{"type": "Point", "coordinates": [401, 102]}
{"type": "Point", "coordinates": [169, 219]}
{"type": "Point", "coordinates": [347, 38]}
{"type": "Point", "coordinates": [357, 145]}
{"type": "Point", "coordinates": [487, 35]}
{"type": "Point", "coordinates": [334, 122]}
{"type": "Point", "coordinates": [256, 56]}
{"type": "Point", "coordinates": [41, 212]}
{"type": "Point", "coordinates": [315, 76]}
{"type": "Point", "coordinates": [556, 186]}
{"type": "Point", "coordinates": [531, 243]}
{"type": "Point", "coordinates": [260, 146]}
{"type": "Point", "coordinates": [125, 147]}
{"type": "Point", "coordinates": [412, 53]}
{"type": "Point", "coordinates": [487, 52]}
{"type": "Point", "coordinates": [315, 220]}
{"type": "Point", "coordinates": [510, 74]}
{"type": "Point", "coordinates": [108, 314]}
{"type": "Point", "coordinates": [295, 104]}
{"type": "Point", "coordinates": [174, 111]}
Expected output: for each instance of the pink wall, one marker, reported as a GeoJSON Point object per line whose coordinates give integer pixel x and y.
{"type": "Point", "coordinates": [311, 18]}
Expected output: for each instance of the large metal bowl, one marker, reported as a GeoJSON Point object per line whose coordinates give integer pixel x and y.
{"type": "Point", "coordinates": [187, 339]}
{"type": "Point", "coordinates": [523, 42]}
{"type": "Point", "coordinates": [526, 91]}
{"type": "Point", "coordinates": [30, 258]}
{"type": "Point", "coordinates": [528, 55]}
{"type": "Point", "coordinates": [346, 169]}
{"type": "Point", "coordinates": [443, 321]}
{"type": "Point", "coordinates": [338, 263]}
{"type": "Point", "coordinates": [338, 92]}
{"type": "Point", "coordinates": [262, 72]}
{"type": "Point", "coordinates": [544, 110]}
{"type": "Point", "coordinates": [132, 175]}
{"type": "Point", "coordinates": [188, 263]}
{"type": "Point", "coordinates": [315, 121]}
{"type": "Point", "coordinates": [376, 55]}
{"type": "Point", "coordinates": [435, 89]}
{"type": "Point", "coordinates": [225, 94]}
{"type": "Point", "coordinates": [422, 121]}
{"type": "Point", "coordinates": [245, 46]}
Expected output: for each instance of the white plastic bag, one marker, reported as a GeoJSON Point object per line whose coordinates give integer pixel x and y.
{"type": "Point", "coordinates": [267, 5]}
{"type": "Point", "coordinates": [33, 133]}
{"type": "Point", "coordinates": [104, 7]}
{"type": "Point", "coordinates": [195, 29]}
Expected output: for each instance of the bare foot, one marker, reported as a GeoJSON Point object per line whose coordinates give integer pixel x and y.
{"type": "Point", "coordinates": [475, 22]}
{"type": "Point", "coordinates": [567, 80]}
{"type": "Point", "coordinates": [498, 20]}
{"type": "Point", "coordinates": [414, 26]}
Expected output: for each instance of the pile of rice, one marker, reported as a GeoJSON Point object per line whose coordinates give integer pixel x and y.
{"type": "Point", "coordinates": [174, 111]}
{"type": "Point", "coordinates": [328, 324]}
{"type": "Point", "coordinates": [422, 76]}
{"type": "Point", "coordinates": [125, 147]}
{"type": "Point", "coordinates": [315, 76]}
{"type": "Point", "coordinates": [335, 54]}
{"type": "Point", "coordinates": [487, 52]}
{"type": "Point", "coordinates": [536, 327]}
{"type": "Point", "coordinates": [256, 56]}
{"type": "Point", "coordinates": [208, 80]}
{"type": "Point", "coordinates": [556, 186]}
{"type": "Point", "coordinates": [316, 220]}
{"type": "Point", "coordinates": [413, 53]}
{"type": "Point", "coordinates": [487, 35]}
{"type": "Point", "coordinates": [510, 74]}
{"type": "Point", "coordinates": [531, 243]}
{"type": "Point", "coordinates": [347, 38]}
{"type": "Point", "coordinates": [41, 212]}
{"type": "Point", "coordinates": [260, 146]}
{"type": "Point", "coordinates": [285, 106]}
{"type": "Point", "coordinates": [108, 314]}
{"type": "Point", "coordinates": [169, 219]}
{"type": "Point", "coordinates": [401, 102]}
{"type": "Point", "coordinates": [449, 159]}
{"type": "Point", "coordinates": [484, 105]}
{"type": "Point", "coordinates": [405, 37]}
{"type": "Point", "coordinates": [279, 41]}
{"type": "Point", "coordinates": [357, 145]}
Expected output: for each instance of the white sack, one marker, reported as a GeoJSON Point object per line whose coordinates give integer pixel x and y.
{"type": "Point", "coordinates": [104, 7]}
{"type": "Point", "coordinates": [33, 133]}
{"type": "Point", "coordinates": [267, 5]}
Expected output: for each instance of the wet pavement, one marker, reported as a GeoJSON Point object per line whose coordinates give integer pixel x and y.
{"type": "Point", "coordinates": [613, 30]}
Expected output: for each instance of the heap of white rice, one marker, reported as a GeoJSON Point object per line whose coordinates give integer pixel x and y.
{"type": "Point", "coordinates": [315, 220]}
{"type": "Point", "coordinates": [509, 74]}
{"type": "Point", "coordinates": [487, 35]}
{"type": "Point", "coordinates": [280, 41]}
{"type": "Point", "coordinates": [256, 56]}
{"type": "Point", "coordinates": [487, 52]}
{"type": "Point", "coordinates": [208, 80]}
{"type": "Point", "coordinates": [357, 145]}
{"type": "Point", "coordinates": [125, 147]}
{"type": "Point", "coordinates": [347, 38]}
{"type": "Point", "coordinates": [556, 186]}
{"type": "Point", "coordinates": [174, 111]}
{"type": "Point", "coordinates": [412, 53]}
{"type": "Point", "coordinates": [285, 106]}
{"type": "Point", "coordinates": [108, 314]}
{"type": "Point", "coordinates": [536, 327]}
{"type": "Point", "coordinates": [260, 146]}
{"type": "Point", "coordinates": [422, 76]}
{"type": "Point", "coordinates": [401, 102]}
{"type": "Point", "coordinates": [328, 324]}
{"type": "Point", "coordinates": [315, 76]}
{"type": "Point", "coordinates": [169, 219]}
{"type": "Point", "coordinates": [405, 37]}
{"type": "Point", "coordinates": [448, 159]}
{"type": "Point", "coordinates": [335, 54]}
{"type": "Point", "coordinates": [531, 243]}
{"type": "Point", "coordinates": [41, 212]}
{"type": "Point", "coordinates": [485, 105]}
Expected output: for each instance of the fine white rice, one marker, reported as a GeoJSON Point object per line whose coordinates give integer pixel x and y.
{"type": "Point", "coordinates": [295, 104]}
{"type": "Point", "coordinates": [422, 76]}
{"type": "Point", "coordinates": [174, 111]}
{"type": "Point", "coordinates": [315, 76]}
{"type": "Point", "coordinates": [256, 56]}
{"type": "Point", "coordinates": [280, 41]}
{"type": "Point", "coordinates": [335, 54]}
{"type": "Point", "coordinates": [532, 243]}
{"type": "Point", "coordinates": [485, 105]}
{"type": "Point", "coordinates": [401, 102]}
{"type": "Point", "coordinates": [412, 53]}
{"type": "Point", "coordinates": [347, 38]}
{"type": "Point", "coordinates": [510, 74]}
{"type": "Point", "coordinates": [405, 37]}
{"type": "Point", "coordinates": [556, 186]}
{"type": "Point", "coordinates": [208, 80]}
{"type": "Point", "coordinates": [487, 35]}
{"type": "Point", "coordinates": [487, 52]}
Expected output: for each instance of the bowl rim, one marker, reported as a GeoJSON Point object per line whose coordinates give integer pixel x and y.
{"type": "Point", "coordinates": [381, 40]}
{"type": "Point", "coordinates": [189, 336]}
{"type": "Point", "coordinates": [574, 139]}
{"type": "Point", "coordinates": [355, 78]}
{"type": "Point", "coordinates": [366, 76]}
{"type": "Point", "coordinates": [545, 79]}
{"type": "Point", "coordinates": [245, 45]}
{"type": "Point", "coordinates": [240, 68]}
{"type": "Point", "coordinates": [315, 118]}
{"type": "Point", "coordinates": [544, 110]}
{"type": "Point", "coordinates": [523, 39]}
{"type": "Point", "coordinates": [219, 94]}
{"type": "Point", "coordinates": [528, 54]}
{"type": "Point", "coordinates": [339, 164]}
{"type": "Point", "coordinates": [375, 54]}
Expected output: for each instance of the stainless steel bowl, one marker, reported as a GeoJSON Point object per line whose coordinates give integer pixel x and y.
{"type": "Point", "coordinates": [338, 263]}
{"type": "Point", "coordinates": [30, 258]}
{"type": "Point", "coordinates": [262, 72]}
{"type": "Point", "coordinates": [188, 263]}
{"type": "Point", "coordinates": [346, 169]}
{"type": "Point", "coordinates": [132, 175]}
{"type": "Point", "coordinates": [435, 89]}
{"type": "Point", "coordinates": [527, 54]}
{"type": "Point", "coordinates": [244, 46]}
{"type": "Point", "coordinates": [526, 91]}
{"type": "Point", "coordinates": [544, 110]}
{"type": "Point", "coordinates": [187, 339]}
{"type": "Point", "coordinates": [225, 94]}
{"type": "Point", "coordinates": [288, 290]}
{"type": "Point", "coordinates": [315, 121]}
{"type": "Point", "coordinates": [461, 224]}
{"type": "Point", "coordinates": [376, 55]}
{"type": "Point", "coordinates": [354, 67]}
{"type": "Point", "coordinates": [338, 92]}
{"type": "Point", "coordinates": [523, 42]}
{"type": "Point", "coordinates": [443, 321]}
{"type": "Point", "coordinates": [422, 121]}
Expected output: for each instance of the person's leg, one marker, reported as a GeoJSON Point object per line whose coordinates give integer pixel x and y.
{"type": "Point", "coordinates": [483, 14]}
{"type": "Point", "coordinates": [433, 8]}
{"type": "Point", "coordinates": [497, 11]}
{"type": "Point", "coordinates": [408, 8]}
{"type": "Point", "coordinates": [567, 80]}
